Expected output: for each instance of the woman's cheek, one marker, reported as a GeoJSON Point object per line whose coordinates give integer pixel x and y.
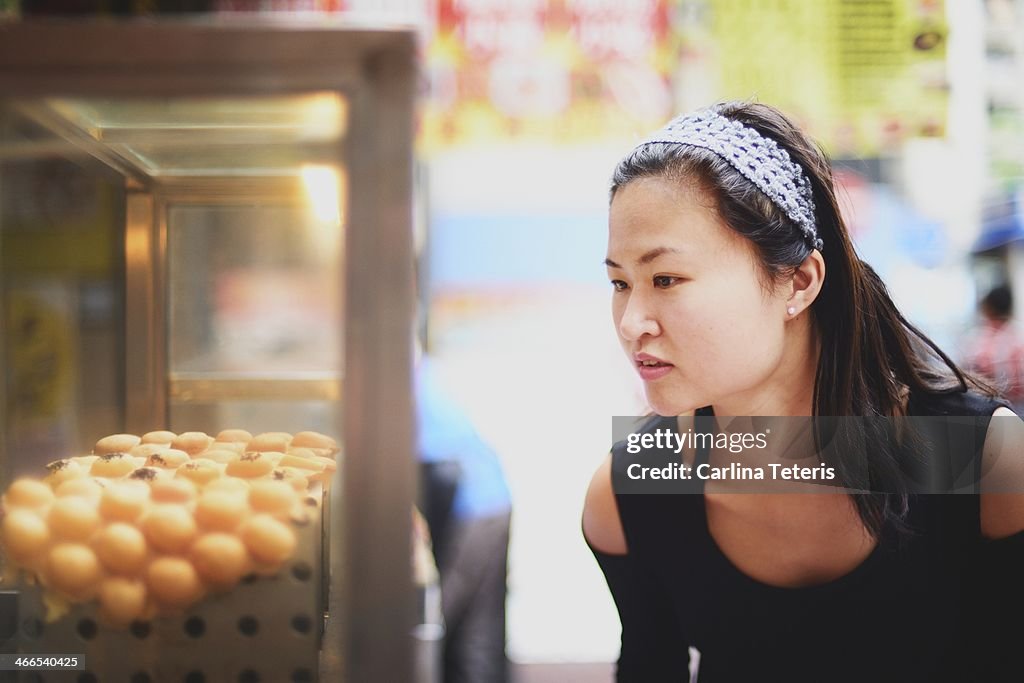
{"type": "Point", "coordinates": [695, 317]}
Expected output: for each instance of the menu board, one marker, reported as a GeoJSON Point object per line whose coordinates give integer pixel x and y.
{"type": "Point", "coordinates": [860, 74]}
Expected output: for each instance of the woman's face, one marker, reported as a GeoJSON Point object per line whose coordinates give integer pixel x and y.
{"type": "Point", "coordinates": [689, 302]}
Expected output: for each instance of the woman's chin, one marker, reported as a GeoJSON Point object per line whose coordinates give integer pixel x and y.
{"type": "Point", "coordinates": [672, 405]}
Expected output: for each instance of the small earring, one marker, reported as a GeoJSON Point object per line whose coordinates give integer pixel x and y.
{"type": "Point", "coordinates": [791, 310]}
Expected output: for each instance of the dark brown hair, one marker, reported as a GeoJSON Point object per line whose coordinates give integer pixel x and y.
{"type": "Point", "coordinates": [871, 356]}
{"type": "Point", "coordinates": [998, 303]}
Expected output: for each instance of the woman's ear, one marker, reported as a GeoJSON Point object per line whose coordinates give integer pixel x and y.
{"type": "Point", "coordinates": [805, 284]}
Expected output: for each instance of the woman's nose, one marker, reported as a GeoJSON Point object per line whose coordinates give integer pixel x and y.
{"type": "Point", "coordinates": [637, 320]}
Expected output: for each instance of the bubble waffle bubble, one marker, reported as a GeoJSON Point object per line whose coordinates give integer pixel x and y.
{"type": "Point", "coordinates": [161, 436]}
{"type": "Point", "coordinates": [116, 443]}
{"type": "Point", "coordinates": [192, 443]}
{"type": "Point", "coordinates": [63, 470]}
{"type": "Point", "coordinates": [113, 465]}
{"type": "Point", "coordinates": [168, 459]}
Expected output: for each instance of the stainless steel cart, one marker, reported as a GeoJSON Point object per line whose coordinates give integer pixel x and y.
{"type": "Point", "coordinates": [206, 224]}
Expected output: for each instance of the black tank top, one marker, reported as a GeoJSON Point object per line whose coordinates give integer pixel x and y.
{"type": "Point", "coordinates": [942, 605]}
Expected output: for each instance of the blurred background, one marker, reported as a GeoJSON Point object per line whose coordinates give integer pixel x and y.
{"type": "Point", "coordinates": [525, 106]}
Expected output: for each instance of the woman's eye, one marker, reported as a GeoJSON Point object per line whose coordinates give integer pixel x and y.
{"type": "Point", "coordinates": [619, 285]}
{"type": "Point", "coordinates": [664, 281]}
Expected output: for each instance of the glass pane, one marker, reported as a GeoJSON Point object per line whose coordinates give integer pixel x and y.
{"type": "Point", "coordinates": [219, 159]}
{"type": "Point", "coordinates": [257, 416]}
{"type": "Point", "coordinates": [253, 290]}
{"type": "Point", "coordinates": [211, 136]}
{"type": "Point", "coordinates": [251, 194]}
{"type": "Point", "coordinates": [61, 297]}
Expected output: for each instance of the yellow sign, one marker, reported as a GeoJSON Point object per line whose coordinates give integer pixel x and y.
{"type": "Point", "coordinates": [860, 75]}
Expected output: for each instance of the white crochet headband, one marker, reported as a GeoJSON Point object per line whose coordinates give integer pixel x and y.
{"type": "Point", "coordinates": [760, 159]}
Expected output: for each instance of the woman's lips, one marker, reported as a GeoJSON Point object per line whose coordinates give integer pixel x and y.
{"type": "Point", "coordinates": [653, 372]}
{"type": "Point", "coordinates": [650, 367]}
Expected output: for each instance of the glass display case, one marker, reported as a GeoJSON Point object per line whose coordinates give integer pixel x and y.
{"type": "Point", "coordinates": [206, 225]}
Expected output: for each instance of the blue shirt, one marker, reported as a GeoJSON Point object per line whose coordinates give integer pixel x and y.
{"type": "Point", "coordinates": [444, 432]}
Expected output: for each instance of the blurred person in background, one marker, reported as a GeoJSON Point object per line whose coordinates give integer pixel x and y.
{"type": "Point", "coordinates": [467, 505]}
{"type": "Point", "coordinates": [996, 349]}
{"type": "Point", "coordinates": [737, 292]}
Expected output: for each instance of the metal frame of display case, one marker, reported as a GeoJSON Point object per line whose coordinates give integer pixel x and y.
{"type": "Point", "coordinates": [372, 600]}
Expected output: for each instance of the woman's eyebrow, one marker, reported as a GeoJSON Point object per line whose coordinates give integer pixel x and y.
{"type": "Point", "coordinates": [655, 253]}
{"type": "Point", "coordinates": [647, 257]}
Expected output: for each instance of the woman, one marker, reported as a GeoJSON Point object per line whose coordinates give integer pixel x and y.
{"type": "Point", "coordinates": [737, 292]}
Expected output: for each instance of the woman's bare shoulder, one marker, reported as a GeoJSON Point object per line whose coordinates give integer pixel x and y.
{"type": "Point", "coordinates": [602, 525]}
{"type": "Point", "coordinates": [1002, 481]}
